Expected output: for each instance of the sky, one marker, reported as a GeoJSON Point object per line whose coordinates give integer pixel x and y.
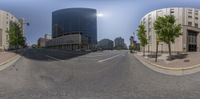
{"type": "Point", "coordinates": [121, 17]}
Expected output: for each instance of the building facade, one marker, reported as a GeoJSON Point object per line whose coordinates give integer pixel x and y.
{"type": "Point", "coordinates": [47, 36]}
{"type": "Point", "coordinates": [189, 18]}
{"type": "Point", "coordinates": [105, 44]}
{"type": "Point", "coordinates": [80, 23]}
{"type": "Point", "coordinates": [5, 19]}
{"type": "Point", "coordinates": [119, 43]}
{"type": "Point", "coordinates": [43, 41]}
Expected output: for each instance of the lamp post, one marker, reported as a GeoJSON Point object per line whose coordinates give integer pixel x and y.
{"type": "Point", "coordinates": [22, 22]}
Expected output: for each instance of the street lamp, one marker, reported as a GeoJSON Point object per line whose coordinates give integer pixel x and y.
{"type": "Point", "coordinates": [22, 21]}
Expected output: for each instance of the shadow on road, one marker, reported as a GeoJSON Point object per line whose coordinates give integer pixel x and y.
{"type": "Point", "coordinates": [49, 54]}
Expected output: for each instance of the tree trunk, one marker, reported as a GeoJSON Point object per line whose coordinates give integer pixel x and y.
{"type": "Point", "coordinates": [156, 51]}
{"type": "Point", "coordinates": [170, 54]}
{"type": "Point", "coordinates": [143, 51]}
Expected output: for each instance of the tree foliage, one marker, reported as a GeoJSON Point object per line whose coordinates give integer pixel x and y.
{"type": "Point", "coordinates": [142, 36]}
{"type": "Point", "coordinates": [16, 37]}
{"type": "Point", "coordinates": [167, 30]}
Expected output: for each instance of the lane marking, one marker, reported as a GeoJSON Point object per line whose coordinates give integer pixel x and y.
{"type": "Point", "coordinates": [103, 60]}
{"type": "Point", "coordinates": [52, 57]}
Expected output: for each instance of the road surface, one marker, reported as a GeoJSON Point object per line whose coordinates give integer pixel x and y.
{"type": "Point", "coordinates": [54, 74]}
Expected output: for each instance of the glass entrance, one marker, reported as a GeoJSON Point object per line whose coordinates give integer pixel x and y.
{"type": "Point", "coordinates": [192, 41]}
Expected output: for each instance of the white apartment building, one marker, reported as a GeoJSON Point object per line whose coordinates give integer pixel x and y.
{"type": "Point", "coordinates": [5, 19]}
{"type": "Point", "coordinates": [189, 18]}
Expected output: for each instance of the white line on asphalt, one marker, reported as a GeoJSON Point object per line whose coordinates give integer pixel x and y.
{"type": "Point", "coordinates": [52, 57]}
{"type": "Point", "coordinates": [103, 60]}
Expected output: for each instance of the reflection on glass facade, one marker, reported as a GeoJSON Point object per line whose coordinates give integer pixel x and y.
{"type": "Point", "coordinates": [75, 20]}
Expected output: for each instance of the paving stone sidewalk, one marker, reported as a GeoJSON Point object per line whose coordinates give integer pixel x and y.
{"type": "Point", "coordinates": [4, 56]}
{"type": "Point", "coordinates": [180, 60]}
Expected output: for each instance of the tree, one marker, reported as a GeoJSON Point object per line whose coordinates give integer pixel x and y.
{"type": "Point", "coordinates": [142, 37]}
{"type": "Point", "coordinates": [16, 37]}
{"type": "Point", "coordinates": [167, 30]}
{"type": "Point", "coordinates": [131, 48]}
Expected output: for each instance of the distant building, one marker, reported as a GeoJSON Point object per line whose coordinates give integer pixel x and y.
{"type": "Point", "coordinates": [5, 19]}
{"type": "Point", "coordinates": [134, 43]}
{"type": "Point", "coordinates": [74, 28]}
{"type": "Point", "coordinates": [105, 44]}
{"type": "Point", "coordinates": [42, 41]}
{"type": "Point", "coordinates": [47, 36]}
{"type": "Point", "coordinates": [119, 43]}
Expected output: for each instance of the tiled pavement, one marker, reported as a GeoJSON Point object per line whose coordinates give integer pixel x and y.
{"type": "Point", "coordinates": [4, 56]}
{"type": "Point", "coordinates": [182, 60]}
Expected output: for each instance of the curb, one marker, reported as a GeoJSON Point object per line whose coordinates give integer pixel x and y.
{"type": "Point", "coordinates": [169, 68]}
{"type": "Point", "coordinates": [9, 62]}
{"type": "Point", "coordinates": [169, 71]}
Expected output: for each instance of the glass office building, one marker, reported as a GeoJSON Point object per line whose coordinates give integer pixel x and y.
{"type": "Point", "coordinates": [75, 21]}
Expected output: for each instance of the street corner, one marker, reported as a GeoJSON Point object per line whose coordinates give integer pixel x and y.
{"type": "Point", "coordinates": [177, 67]}
{"type": "Point", "coordinates": [7, 59]}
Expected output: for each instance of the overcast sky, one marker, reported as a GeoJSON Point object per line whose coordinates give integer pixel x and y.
{"type": "Point", "coordinates": [121, 17]}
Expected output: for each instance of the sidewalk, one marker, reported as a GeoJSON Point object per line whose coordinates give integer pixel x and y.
{"type": "Point", "coordinates": [186, 60]}
{"type": "Point", "coordinates": [182, 64]}
{"type": "Point", "coordinates": [6, 56]}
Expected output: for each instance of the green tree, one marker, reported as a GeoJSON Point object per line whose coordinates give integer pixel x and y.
{"type": "Point", "coordinates": [16, 37]}
{"type": "Point", "coordinates": [167, 30]}
{"type": "Point", "coordinates": [142, 37]}
{"type": "Point", "coordinates": [132, 48]}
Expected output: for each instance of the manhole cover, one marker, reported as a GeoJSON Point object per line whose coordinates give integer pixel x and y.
{"type": "Point", "coordinates": [187, 60]}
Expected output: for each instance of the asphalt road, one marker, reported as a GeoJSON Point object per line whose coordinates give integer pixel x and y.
{"type": "Point", "coordinates": [53, 74]}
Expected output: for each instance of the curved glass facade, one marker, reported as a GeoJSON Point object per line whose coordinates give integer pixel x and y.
{"type": "Point", "coordinates": [75, 20]}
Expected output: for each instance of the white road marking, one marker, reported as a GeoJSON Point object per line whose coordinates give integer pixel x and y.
{"type": "Point", "coordinates": [103, 60]}
{"type": "Point", "coordinates": [52, 57]}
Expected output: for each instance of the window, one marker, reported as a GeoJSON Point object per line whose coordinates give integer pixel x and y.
{"type": "Point", "coordinates": [196, 25]}
{"type": "Point", "coordinates": [189, 16]}
{"type": "Point", "coordinates": [159, 13]}
{"type": "Point", "coordinates": [171, 11]}
{"type": "Point", "coordinates": [149, 17]}
{"type": "Point", "coordinates": [189, 10]}
{"type": "Point", "coordinates": [150, 25]}
{"type": "Point", "coordinates": [196, 12]}
{"type": "Point", "coordinates": [190, 23]}
{"type": "Point", "coordinates": [149, 29]}
{"type": "Point", "coordinates": [7, 37]}
{"type": "Point", "coordinates": [144, 21]}
{"type": "Point", "coordinates": [196, 18]}
{"type": "Point", "coordinates": [150, 39]}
